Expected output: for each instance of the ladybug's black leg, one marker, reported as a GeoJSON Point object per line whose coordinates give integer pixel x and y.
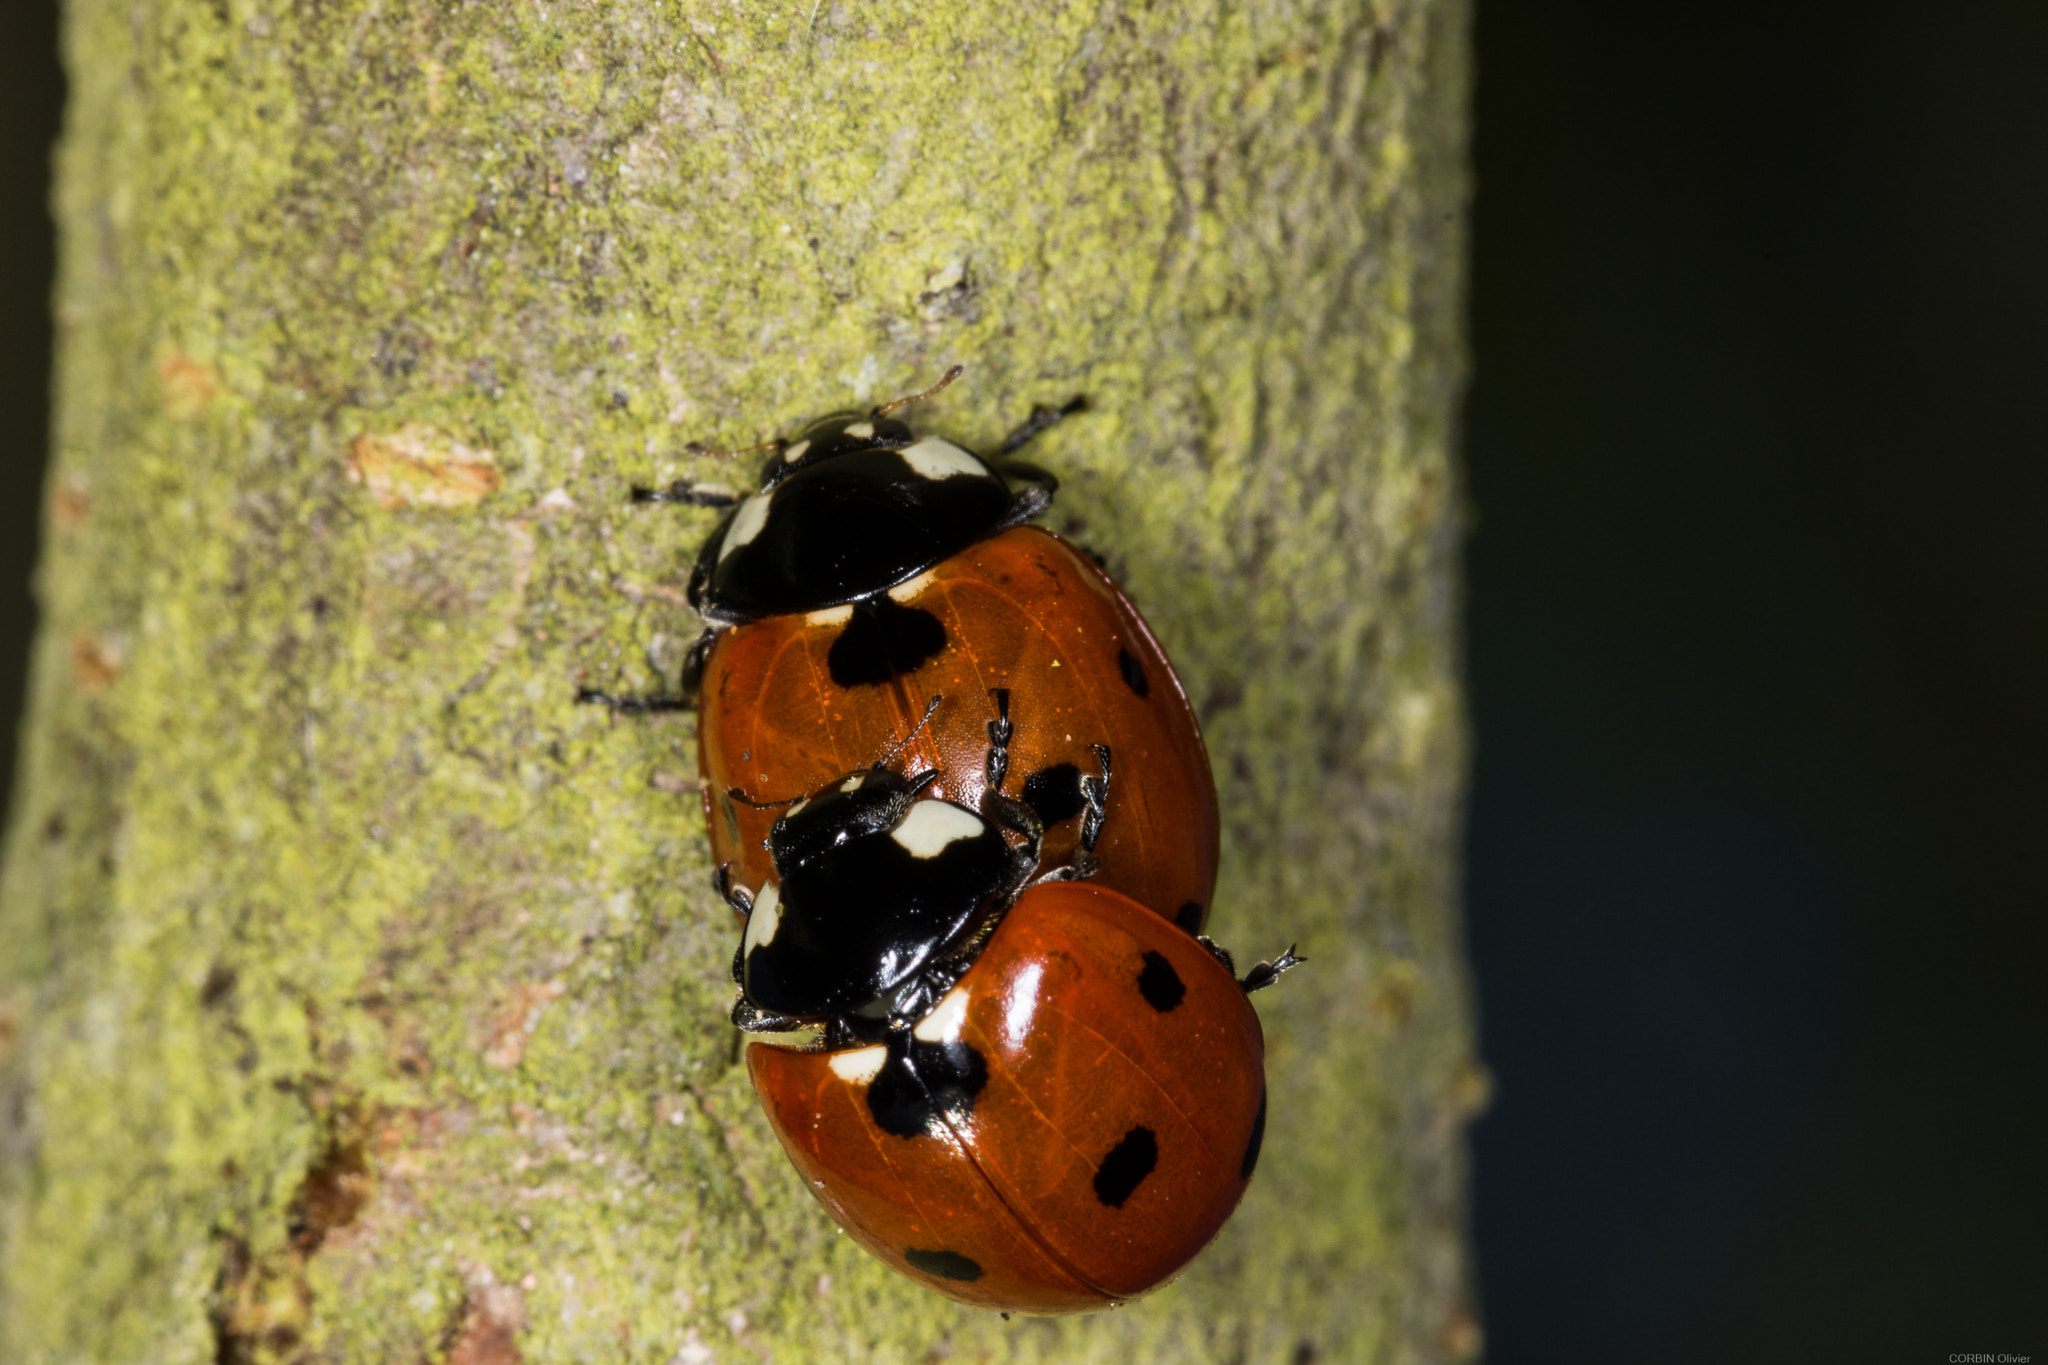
{"type": "Point", "coordinates": [1006, 811]}
{"type": "Point", "coordinates": [738, 899]}
{"type": "Point", "coordinates": [1031, 487]}
{"type": "Point", "coordinates": [999, 731]}
{"type": "Point", "coordinates": [693, 663]}
{"type": "Point", "coordinates": [683, 493]}
{"type": "Point", "coordinates": [1095, 791]}
{"type": "Point", "coordinates": [1266, 973]}
{"type": "Point", "coordinates": [635, 706]}
{"type": "Point", "coordinates": [1020, 819]}
{"type": "Point", "coordinates": [1219, 952]}
{"type": "Point", "coordinates": [1082, 864]}
{"type": "Point", "coordinates": [753, 1020]}
{"type": "Point", "coordinates": [648, 703]}
{"type": "Point", "coordinates": [1041, 417]}
{"type": "Point", "coordinates": [735, 896]}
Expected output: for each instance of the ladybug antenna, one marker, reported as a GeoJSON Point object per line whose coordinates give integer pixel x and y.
{"type": "Point", "coordinates": [908, 399]}
{"type": "Point", "coordinates": [886, 759]}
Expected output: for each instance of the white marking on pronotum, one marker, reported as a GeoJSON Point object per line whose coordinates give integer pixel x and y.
{"type": "Point", "coordinates": [910, 587]}
{"type": "Point", "coordinates": [829, 616]}
{"type": "Point", "coordinates": [854, 783]}
{"type": "Point", "coordinates": [746, 524]}
{"type": "Point", "coordinates": [796, 808]}
{"type": "Point", "coordinates": [765, 917]}
{"type": "Point", "coordinates": [932, 825]}
{"type": "Point", "coordinates": [859, 1066]}
{"type": "Point", "coordinates": [1023, 1006]}
{"type": "Point", "coordinates": [861, 430]}
{"type": "Point", "coordinates": [937, 459]}
{"type": "Point", "coordinates": [796, 452]}
{"type": "Point", "coordinates": [944, 1023]}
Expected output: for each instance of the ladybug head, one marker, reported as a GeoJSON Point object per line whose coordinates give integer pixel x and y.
{"type": "Point", "coordinates": [871, 801]}
{"type": "Point", "coordinates": [841, 433]}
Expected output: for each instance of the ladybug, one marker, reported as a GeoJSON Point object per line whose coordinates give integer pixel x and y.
{"type": "Point", "coordinates": [875, 572]}
{"type": "Point", "coordinates": [974, 1003]}
{"type": "Point", "coordinates": [882, 895]}
{"type": "Point", "coordinates": [1063, 1129]}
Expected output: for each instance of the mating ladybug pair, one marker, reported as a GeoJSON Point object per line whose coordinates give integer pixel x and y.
{"type": "Point", "coordinates": [957, 794]}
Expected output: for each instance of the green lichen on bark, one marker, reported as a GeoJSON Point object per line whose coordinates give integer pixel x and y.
{"type": "Point", "coordinates": [360, 998]}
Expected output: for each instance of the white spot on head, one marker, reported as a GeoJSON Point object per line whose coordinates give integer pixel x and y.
{"type": "Point", "coordinates": [933, 825]}
{"type": "Point", "coordinates": [861, 430]}
{"type": "Point", "coordinates": [947, 1018]}
{"type": "Point", "coordinates": [746, 524]}
{"type": "Point", "coordinates": [907, 590]}
{"type": "Point", "coordinates": [1023, 1005]}
{"type": "Point", "coordinates": [797, 807]}
{"type": "Point", "coordinates": [796, 452]}
{"type": "Point", "coordinates": [859, 1066]}
{"type": "Point", "coordinates": [765, 919]}
{"type": "Point", "coordinates": [854, 783]}
{"type": "Point", "coordinates": [937, 459]}
{"type": "Point", "coordinates": [829, 616]}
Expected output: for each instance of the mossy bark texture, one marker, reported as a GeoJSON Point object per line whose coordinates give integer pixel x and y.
{"type": "Point", "coordinates": [363, 999]}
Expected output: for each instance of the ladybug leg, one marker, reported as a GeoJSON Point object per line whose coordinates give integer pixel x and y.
{"type": "Point", "coordinates": [735, 896]}
{"type": "Point", "coordinates": [1020, 819]}
{"type": "Point", "coordinates": [751, 1020]}
{"type": "Point", "coordinates": [1095, 791]}
{"type": "Point", "coordinates": [738, 899]}
{"type": "Point", "coordinates": [635, 706]}
{"type": "Point", "coordinates": [1033, 486]}
{"type": "Point", "coordinates": [1260, 976]}
{"type": "Point", "coordinates": [1219, 952]}
{"type": "Point", "coordinates": [1266, 973]}
{"type": "Point", "coordinates": [940, 976]}
{"type": "Point", "coordinates": [649, 703]}
{"type": "Point", "coordinates": [1041, 417]}
{"type": "Point", "coordinates": [683, 493]}
{"type": "Point", "coordinates": [1082, 863]}
{"type": "Point", "coordinates": [999, 731]}
{"type": "Point", "coordinates": [693, 663]}
{"type": "Point", "coordinates": [1007, 811]}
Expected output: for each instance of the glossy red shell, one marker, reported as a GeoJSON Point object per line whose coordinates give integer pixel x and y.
{"type": "Point", "coordinates": [1083, 1050]}
{"type": "Point", "coordinates": [1022, 610]}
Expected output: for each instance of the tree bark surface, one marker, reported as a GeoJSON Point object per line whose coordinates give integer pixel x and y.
{"type": "Point", "coordinates": [362, 999]}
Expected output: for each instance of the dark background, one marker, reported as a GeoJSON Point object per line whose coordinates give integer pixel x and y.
{"type": "Point", "coordinates": [1757, 644]}
{"type": "Point", "coordinates": [1756, 599]}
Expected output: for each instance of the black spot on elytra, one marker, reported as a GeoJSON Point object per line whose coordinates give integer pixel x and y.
{"type": "Point", "coordinates": [1189, 917]}
{"type": "Point", "coordinates": [922, 1082]}
{"type": "Point", "coordinates": [947, 1265]}
{"type": "Point", "coordinates": [1251, 1149]}
{"type": "Point", "coordinates": [1134, 672]}
{"type": "Point", "coordinates": [1054, 794]}
{"type": "Point", "coordinates": [883, 639]}
{"type": "Point", "coordinates": [1160, 984]}
{"type": "Point", "coordinates": [1126, 1167]}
